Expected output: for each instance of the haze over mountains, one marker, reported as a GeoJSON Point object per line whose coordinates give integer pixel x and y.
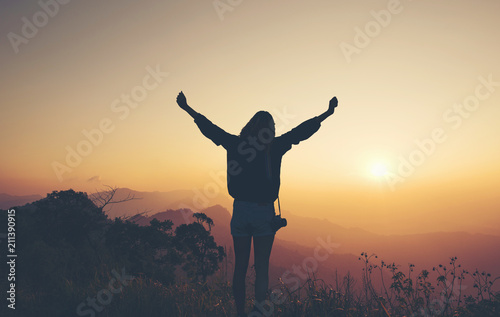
{"type": "Point", "coordinates": [7, 201]}
{"type": "Point", "coordinates": [379, 212]}
{"type": "Point", "coordinates": [304, 235]}
{"type": "Point", "coordinates": [152, 202]}
{"type": "Point", "coordinates": [287, 257]}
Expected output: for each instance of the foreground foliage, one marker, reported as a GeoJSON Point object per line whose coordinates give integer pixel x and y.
{"type": "Point", "coordinates": [74, 261]}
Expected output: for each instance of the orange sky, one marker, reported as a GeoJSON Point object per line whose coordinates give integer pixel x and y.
{"type": "Point", "coordinates": [401, 72]}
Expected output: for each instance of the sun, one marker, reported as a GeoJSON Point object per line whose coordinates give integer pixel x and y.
{"type": "Point", "coordinates": [379, 170]}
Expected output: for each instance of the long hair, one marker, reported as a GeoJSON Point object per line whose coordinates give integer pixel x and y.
{"type": "Point", "coordinates": [261, 125]}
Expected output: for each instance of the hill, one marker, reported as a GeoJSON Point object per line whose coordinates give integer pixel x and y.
{"type": "Point", "coordinates": [153, 202]}
{"type": "Point", "coordinates": [301, 235]}
{"type": "Point", "coordinates": [300, 239]}
{"type": "Point", "coordinates": [8, 201]}
{"type": "Point", "coordinates": [422, 250]}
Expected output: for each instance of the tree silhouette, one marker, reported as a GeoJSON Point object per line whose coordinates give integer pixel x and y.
{"type": "Point", "coordinates": [104, 198]}
{"type": "Point", "coordinates": [69, 249]}
{"type": "Point", "coordinates": [202, 255]}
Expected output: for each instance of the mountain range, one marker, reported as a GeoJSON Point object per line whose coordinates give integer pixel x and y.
{"type": "Point", "coordinates": [8, 201]}
{"type": "Point", "coordinates": [297, 244]}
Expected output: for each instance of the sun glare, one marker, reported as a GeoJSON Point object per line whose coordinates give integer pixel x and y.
{"type": "Point", "coordinates": [379, 170]}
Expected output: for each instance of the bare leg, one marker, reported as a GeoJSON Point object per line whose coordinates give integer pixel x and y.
{"type": "Point", "coordinates": [242, 255]}
{"type": "Point", "coordinates": [262, 251]}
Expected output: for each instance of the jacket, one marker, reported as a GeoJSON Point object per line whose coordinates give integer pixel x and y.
{"type": "Point", "coordinates": [254, 164]}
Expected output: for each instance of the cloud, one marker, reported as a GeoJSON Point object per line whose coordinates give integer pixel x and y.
{"type": "Point", "coordinates": [94, 179]}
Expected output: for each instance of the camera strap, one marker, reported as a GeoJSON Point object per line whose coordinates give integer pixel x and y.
{"type": "Point", "coordinates": [279, 207]}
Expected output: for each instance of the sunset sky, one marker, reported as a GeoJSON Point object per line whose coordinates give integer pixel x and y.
{"type": "Point", "coordinates": [414, 145]}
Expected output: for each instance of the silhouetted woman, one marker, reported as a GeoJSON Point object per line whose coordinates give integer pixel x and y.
{"type": "Point", "coordinates": [253, 180]}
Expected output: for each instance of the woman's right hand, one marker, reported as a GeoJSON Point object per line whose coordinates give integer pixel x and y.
{"type": "Point", "coordinates": [333, 104]}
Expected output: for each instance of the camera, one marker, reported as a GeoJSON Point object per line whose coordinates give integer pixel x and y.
{"type": "Point", "coordinates": [278, 222]}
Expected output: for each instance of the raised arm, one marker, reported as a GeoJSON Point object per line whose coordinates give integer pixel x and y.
{"type": "Point", "coordinates": [304, 130]}
{"type": "Point", "coordinates": [182, 102]}
{"type": "Point", "coordinates": [331, 109]}
{"type": "Point", "coordinates": [207, 128]}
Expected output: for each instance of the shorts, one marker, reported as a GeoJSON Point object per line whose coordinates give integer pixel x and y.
{"type": "Point", "coordinates": [252, 219]}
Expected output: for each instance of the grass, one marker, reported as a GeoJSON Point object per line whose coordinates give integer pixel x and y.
{"type": "Point", "coordinates": [403, 294]}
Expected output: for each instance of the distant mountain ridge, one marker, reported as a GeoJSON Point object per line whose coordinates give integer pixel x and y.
{"type": "Point", "coordinates": [302, 233]}
{"type": "Point", "coordinates": [423, 250]}
{"type": "Point", "coordinates": [8, 201]}
{"type": "Point", "coordinates": [220, 216]}
{"type": "Point", "coordinates": [286, 255]}
{"type": "Point", "coordinates": [153, 202]}
{"type": "Point", "coordinates": [300, 238]}
{"type": "Point", "coordinates": [290, 251]}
